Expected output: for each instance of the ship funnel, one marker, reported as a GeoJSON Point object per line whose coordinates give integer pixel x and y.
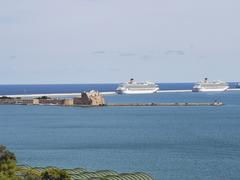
{"type": "Point", "coordinates": [131, 80]}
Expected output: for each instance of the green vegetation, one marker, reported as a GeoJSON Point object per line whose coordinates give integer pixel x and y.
{"type": "Point", "coordinates": [43, 97]}
{"type": "Point", "coordinates": [47, 174]}
{"type": "Point", "coordinates": [31, 174]}
{"type": "Point", "coordinates": [5, 97]}
{"type": "Point", "coordinates": [7, 164]}
{"type": "Point", "coordinates": [55, 174]}
{"type": "Point", "coordinates": [10, 171]}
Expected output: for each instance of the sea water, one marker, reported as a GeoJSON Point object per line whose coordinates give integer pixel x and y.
{"type": "Point", "coordinates": [166, 142]}
{"type": "Point", "coordinates": [76, 88]}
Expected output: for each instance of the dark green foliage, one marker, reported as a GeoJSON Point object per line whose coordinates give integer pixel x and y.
{"type": "Point", "coordinates": [31, 174]}
{"type": "Point", "coordinates": [9, 171]}
{"type": "Point", "coordinates": [3, 177]}
{"type": "Point", "coordinates": [44, 97]}
{"type": "Point", "coordinates": [55, 174]}
{"type": "Point", "coordinates": [7, 163]}
{"type": "Point", "coordinates": [5, 154]}
{"type": "Point", "coordinates": [5, 97]}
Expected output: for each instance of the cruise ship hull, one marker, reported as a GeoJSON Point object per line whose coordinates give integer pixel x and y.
{"type": "Point", "coordinates": [210, 90]}
{"type": "Point", "coordinates": [137, 91]}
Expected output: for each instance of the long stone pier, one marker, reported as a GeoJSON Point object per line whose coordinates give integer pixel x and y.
{"type": "Point", "coordinates": [171, 104]}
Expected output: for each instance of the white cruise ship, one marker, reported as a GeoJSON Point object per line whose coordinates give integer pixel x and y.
{"type": "Point", "coordinates": [238, 85]}
{"type": "Point", "coordinates": [206, 86]}
{"type": "Point", "coordinates": [133, 87]}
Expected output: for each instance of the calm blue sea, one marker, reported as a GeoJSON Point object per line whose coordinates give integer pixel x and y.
{"type": "Point", "coordinates": [167, 142]}
{"type": "Point", "coordinates": [76, 88]}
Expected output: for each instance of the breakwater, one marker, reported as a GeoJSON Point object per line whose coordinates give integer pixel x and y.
{"type": "Point", "coordinates": [78, 102]}
{"type": "Point", "coordinates": [171, 104]}
{"type": "Point", "coordinates": [90, 99]}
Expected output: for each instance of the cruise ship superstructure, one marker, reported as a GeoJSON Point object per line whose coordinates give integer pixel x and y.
{"type": "Point", "coordinates": [133, 87]}
{"type": "Point", "coordinates": [238, 85]}
{"type": "Point", "coordinates": [206, 86]}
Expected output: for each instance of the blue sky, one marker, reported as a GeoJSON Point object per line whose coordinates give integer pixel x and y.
{"type": "Point", "coordinates": [95, 41]}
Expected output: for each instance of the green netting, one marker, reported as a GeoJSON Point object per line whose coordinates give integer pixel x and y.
{"type": "Point", "coordinates": [24, 167]}
{"type": "Point", "coordinates": [83, 174]}
{"type": "Point", "coordinates": [88, 175]}
{"type": "Point", "coordinates": [39, 169]}
{"type": "Point", "coordinates": [127, 176]}
{"type": "Point", "coordinates": [75, 171]}
{"type": "Point", "coordinates": [106, 173]}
